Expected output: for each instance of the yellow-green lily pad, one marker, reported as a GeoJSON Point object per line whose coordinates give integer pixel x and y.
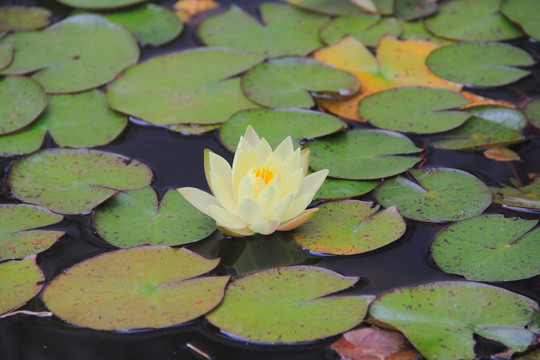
{"type": "Point", "coordinates": [413, 9]}
{"type": "Point", "coordinates": [524, 13]}
{"type": "Point", "coordinates": [526, 197]}
{"type": "Point", "coordinates": [532, 112]}
{"type": "Point", "coordinates": [20, 280]}
{"type": "Point", "coordinates": [76, 54]}
{"type": "Point", "coordinates": [99, 4]}
{"type": "Point", "coordinates": [337, 189]}
{"type": "Point", "coordinates": [192, 129]}
{"type": "Point", "coordinates": [489, 248]}
{"type": "Point", "coordinates": [350, 227]}
{"type": "Point", "coordinates": [416, 30]}
{"type": "Point", "coordinates": [143, 287]}
{"type": "Point", "coordinates": [6, 54]}
{"type": "Point", "coordinates": [134, 218]}
{"type": "Point", "coordinates": [73, 181]}
{"type": "Point", "coordinates": [18, 230]}
{"type": "Point", "coordinates": [18, 18]}
{"type": "Point", "coordinates": [435, 195]}
{"type": "Point", "coordinates": [332, 7]}
{"type": "Point", "coordinates": [288, 305]}
{"type": "Point", "coordinates": [368, 28]}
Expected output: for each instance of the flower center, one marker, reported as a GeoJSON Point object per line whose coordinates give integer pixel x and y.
{"type": "Point", "coordinates": [264, 173]}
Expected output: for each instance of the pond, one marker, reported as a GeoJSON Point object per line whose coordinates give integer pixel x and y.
{"type": "Point", "coordinates": [176, 160]}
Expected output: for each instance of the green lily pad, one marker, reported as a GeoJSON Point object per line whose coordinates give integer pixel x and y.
{"type": "Point", "coordinates": [524, 13]}
{"type": "Point", "coordinates": [275, 125]}
{"type": "Point", "coordinates": [20, 280]}
{"type": "Point", "coordinates": [435, 195]}
{"type": "Point", "coordinates": [439, 318]}
{"type": "Point", "coordinates": [350, 227]}
{"type": "Point", "coordinates": [18, 236]}
{"type": "Point", "coordinates": [384, 7]}
{"type": "Point", "coordinates": [337, 189]}
{"type": "Point", "coordinates": [363, 154]}
{"type": "Point", "coordinates": [21, 102]}
{"type": "Point", "coordinates": [73, 120]}
{"type": "Point", "coordinates": [144, 287]}
{"type": "Point", "coordinates": [413, 9]}
{"type": "Point", "coordinates": [489, 248]}
{"type": "Point", "coordinates": [200, 92]}
{"type": "Point", "coordinates": [368, 28]}
{"type": "Point", "coordinates": [332, 7]}
{"type": "Point", "coordinates": [421, 110]}
{"type": "Point", "coordinates": [76, 54]}
{"type": "Point", "coordinates": [74, 181]}
{"type": "Point", "coordinates": [134, 218]}
{"type": "Point", "coordinates": [17, 18]}
{"type": "Point", "coordinates": [6, 55]}
{"type": "Point", "coordinates": [532, 112]}
{"type": "Point", "coordinates": [288, 305]}
{"type": "Point", "coordinates": [480, 64]}
{"type": "Point", "coordinates": [192, 129]}
{"type": "Point", "coordinates": [99, 4]}
{"type": "Point", "coordinates": [479, 20]}
{"type": "Point", "coordinates": [151, 24]}
{"type": "Point", "coordinates": [285, 30]}
{"type": "Point", "coordinates": [288, 82]}
{"type": "Point", "coordinates": [527, 197]}
{"type": "Point", "coordinates": [490, 126]}
{"type": "Point", "coordinates": [417, 31]}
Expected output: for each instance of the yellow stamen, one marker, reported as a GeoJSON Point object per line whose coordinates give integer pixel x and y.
{"type": "Point", "coordinates": [264, 173]}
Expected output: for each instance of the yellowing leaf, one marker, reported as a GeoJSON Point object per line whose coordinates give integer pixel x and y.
{"type": "Point", "coordinates": [501, 154]}
{"type": "Point", "coordinates": [186, 9]}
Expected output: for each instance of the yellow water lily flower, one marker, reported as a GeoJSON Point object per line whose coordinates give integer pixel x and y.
{"type": "Point", "coordinates": [264, 191]}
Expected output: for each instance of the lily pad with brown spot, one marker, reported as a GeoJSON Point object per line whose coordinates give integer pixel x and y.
{"type": "Point", "coordinates": [367, 28]}
{"type": "Point", "coordinates": [526, 197]}
{"type": "Point", "coordinates": [18, 18]}
{"type": "Point", "coordinates": [20, 280]}
{"type": "Point", "coordinates": [414, 9]}
{"type": "Point", "coordinates": [523, 13]}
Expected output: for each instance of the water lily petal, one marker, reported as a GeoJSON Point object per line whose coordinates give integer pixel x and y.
{"type": "Point", "coordinates": [297, 206]}
{"type": "Point", "coordinates": [237, 232]}
{"type": "Point", "coordinates": [292, 163]}
{"type": "Point", "coordinates": [251, 136]}
{"type": "Point", "coordinates": [312, 182]}
{"type": "Point", "coordinates": [267, 199]}
{"type": "Point", "coordinates": [265, 227]}
{"type": "Point", "coordinates": [299, 220]}
{"type": "Point", "coordinates": [264, 150]}
{"type": "Point", "coordinates": [223, 192]}
{"type": "Point", "coordinates": [294, 181]}
{"type": "Point", "coordinates": [245, 189]}
{"type": "Point", "coordinates": [281, 207]}
{"type": "Point", "coordinates": [225, 218]}
{"type": "Point", "coordinates": [304, 154]}
{"type": "Point", "coordinates": [198, 198]}
{"type": "Point", "coordinates": [207, 153]}
{"type": "Point", "coordinates": [250, 212]}
{"type": "Point", "coordinates": [285, 149]}
{"type": "Point", "coordinates": [243, 162]}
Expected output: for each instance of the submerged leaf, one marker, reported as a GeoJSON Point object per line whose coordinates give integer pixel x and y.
{"type": "Point", "coordinates": [20, 280]}
{"type": "Point", "coordinates": [527, 197]}
{"type": "Point", "coordinates": [501, 154]}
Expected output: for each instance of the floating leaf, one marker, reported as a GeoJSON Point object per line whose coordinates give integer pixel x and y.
{"type": "Point", "coordinates": [370, 343]}
{"type": "Point", "coordinates": [368, 29]}
{"type": "Point", "coordinates": [286, 305]}
{"type": "Point", "coordinates": [479, 20]}
{"type": "Point", "coordinates": [286, 31]}
{"type": "Point", "coordinates": [489, 248]}
{"type": "Point", "coordinates": [192, 129]}
{"type": "Point", "coordinates": [417, 31]}
{"type": "Point", "coordinates": [144, 287]}
{"type": "Point", "coordinates": [501, 154]}
{"type": "Point", "coordinates": [336, 189]}
{"type": "Point", "coordinates": [480, 64]}
{"type": "Point", "coordinates": [532, 112]}
{"type": "Point", "coordinates": [527, 197]}
{"type": "Point", "coordinates": [17, 228]}
{"type": "Point", "coordinates": [333, 7]}
{"type": "Point", "coordinates": [363, 154]}
{"type": "Point", "coordinates": [413, 9]}
{"type": "Point", "coordinates": [6, 54]}
{"type": "Point", "coordinates": [150, 23]}
{"type": "Point", "coordinates": [73, 120]}
{"type": "Point", "coordinates": [20, 280]}
{"type": "Point", "coordinates": [439, 319]}
{"type": "Point", "coordinates": [17, 18]}
{"type": "Point", "coordinates": [21, 102]}
{"type": "Point", "coordinates": [490, 126]}
{"type": "Point", "coordinates": [398, 64]}
{"type": "Point", "coordinates": [200, 91]}
{"type": "Point", "coordinates": [385, 7]}
{"type": "Point", "coordinates": [275, 125]}
{"type": "Point", "coordinates": [350, 227]}
{"type": "Point", "coordinates": [288, 82]}
{"type": "Point", "coordinates": [187, 9]}
{"type": "Point", "coordinates": [78, 53]}
{"type": "Point", "coordinates": [422, 110]}
{"type": "Point", "coordinates": [524, 13]}
{"type": "Point", "coordinates": [74, 181]}
{"type": "Point", "coordinates": [435, 195]}
{"type": "Point", "coordinates": [134, 218]}
{"type": "Point", "coordinates": [99, 4]}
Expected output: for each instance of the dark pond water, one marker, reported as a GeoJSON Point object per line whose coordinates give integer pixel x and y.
{"type": "Point", "coordinates": [177, 161]}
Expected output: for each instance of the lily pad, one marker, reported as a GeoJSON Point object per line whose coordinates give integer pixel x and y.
{"type": "Point", "coordinates": [384, 7]}
{"type": "Point", "coordinates": [288, 82]}
{"type": "Point", "coordinates": [336, 189]}
{"type": "Point", "coordinates": [489, 248]}
{"type": "Point", "coordinates": [21, 102]}
{"type": "Point", "coordinates": [285, 30]}
{"type": "Point", "coordinates": [199, 92]}
{"type": "Point", "coordinates": [527, 196]}
{"type": "Point", "coordinates": [490, 126]}
{"type": "Point", "coordinates": [435, 195]}
{"type": "Point", "coordinates": [17, 18]}
{"type": "Point", "coordinates": [99, 4]}
{"type": "Point", "coordinates": [439, 318]}
{"type": "Point", "coordinates": [417, 31]}
{"type": "Point", "coordinates": [73, 120]}
{"type": "Point", "coordinates": [134, 218]}
{"type": "Point", "coordinates": [350, 227]}
{"type": "Point", "coordinates": [74, 181]}
{"type": "Point", "coordinates": [421, 110]}
{"type": "Point", "coordinates": [151, 24]}
{"type": "Point", "coordinates": [144, 287]}
{"type": "Point", "coordinates": [367, 28]}
{"type": "Point", "coordinates": [18, 234]}
{"type": "Point", "coordinates": [76, 54]}
{"type": "Point", "coordinates": [532, 112]}
{"type": "Point", "coordinates": [332, 7]}
{"type": "Point", "coordinates": [413, 9]}
{"type": "Point", "coordinates": [524, 13]}
{"type": "Point", "coordinates": [479, 20]}
{"type": "Point", "coordinates": [501, 154]}
{"type": "Point", "coordinates": [6, 54]}
{"type": "Point", "coordinates": [192, 129]}
{"type": "Point", "coordinates": [288, 305]}
{"type": "Point", "coordinates": [480, 64]}
{"type": "Point", "coordinates": [275, 125]}
{"type": "Point", "coordinates": [363, 154]}
{"type": "Point", "coordinates": [20, 280]}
